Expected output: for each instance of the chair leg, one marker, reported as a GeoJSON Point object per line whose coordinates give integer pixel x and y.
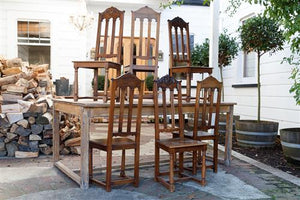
{"type": "Point", "coordinates": [203, 169]}
{"type": "Point", "coordinates": [108, 171]}
{"type": "Point", "coordinates": [136, 166]}
{"type": "Point", "coordinates": [156, 164]}
{"type": "Point", "coordinates": [171, 175]}
{"type": "Point", "coordinates": [180, 163]}
{"type": "Point", "coordinates": [91, 163]}
{"type": "Point", "coordinates": [76, 84]}
{"type": "Point", "coordinates": [95, 87]}
{"type": "Point", "coordinates": [105, 98]}
{"type": "Point", "coordinates": [122, 172]}
{"type": "Point", "coordinates": [215, 157]}
{"type": "Point", "coordinates": [194, 162]}
{"type": "Point", "coordinates": [188, 87]}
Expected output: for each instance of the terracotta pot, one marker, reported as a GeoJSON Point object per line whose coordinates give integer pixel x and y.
{"type": "Point", "coordinates": [250, 133]}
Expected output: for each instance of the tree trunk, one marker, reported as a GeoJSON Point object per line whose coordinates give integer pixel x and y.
{"type": "Point", "coordinates": [258, 87]}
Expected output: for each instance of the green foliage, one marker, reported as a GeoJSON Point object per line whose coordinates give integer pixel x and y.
{"type": "Point", "coordinates": [200, 54]}
{"type": "Point", "coordinates": [149, 82]}
{"type": "Point", "coordinates": [296, 84]}
{"type": "Point", "coordinates": [101, 79]}
{"type": "Point", "coordinates": [228, 49]}
{"type": "Point", "coordinates": [168, 3]}
{"type": "Point", "coordinates": [261, 34]}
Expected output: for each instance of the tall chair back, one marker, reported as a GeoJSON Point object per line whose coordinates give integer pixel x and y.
{"type": "Point", "coordinates": [167, 85]}
{"type": "Point", "coordinates": [110, 35]}
{"type": "Point", "coordinates": [145, 27]}
{"type": "Point", "coordinates": [179, 41]}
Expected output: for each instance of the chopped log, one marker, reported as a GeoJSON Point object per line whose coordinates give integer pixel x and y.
{"type": "Point", "coordinates": [22, 131]}
{"type": "Point", "coordinates": [13, 128]}
{"type": "Point", "coordinates": [76, 150]}
{"type": "Point", "coordinates": [11, 97]}
{"type": "Point", "coordinates": [14, 117]}
{"type": "Point", "coordinates": [48, 127]}
{"type": "Point", "coordinates": [17, 89]}
{"type": "Point", "coordinates": [31, 120]}
{"type": "Point", "coordinates": [10, 137]}
{"type": "Point", "coordinates": [14, 62]}
{"type": "Point", "coordinates": [23, 140]}
{"type": "Point", "coordinates": [24, 154]}
{"type": "Point", "coordinates": [65, 151]}
{"type": "Point", "coordinates": [39, 68]}
{"type": "Point", "coordinates": [10, 108]}
{"type": "Point", "coordinates": [36, 128]}
{"type": "Point", "coordinates": [49, 116]}
{"type": "Point", "coordinates": [47, 134]}
{"type": "Point", "coordinates": [32, 84]}
{"type": "Point", "coordinates": [22, 82]}
{"type": "Point", "coordinates": [46, 150]}
{"type": "Point", "coordinates": [42, 120]}
{"type": "Point", "coordinates": [38, 108]}
{"type": "Point", "coordinates": [28, 97]}
{"type": "Point", "coordinates": [73, 142]}
{"type": "Point", "coordinates": [33, 137]}
{"type": "Point", "coordinates": [23, 122]}
{"type": "Point", "coordinates": [14, 78]}
{"type": "Point", "coordinates": [24, 105]}
{"type": "Point", "coordinates": [11, 71]}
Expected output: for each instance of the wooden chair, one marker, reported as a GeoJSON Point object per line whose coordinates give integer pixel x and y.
{"type": "Point", "coordinates": [208, 95]}
{"type": "Point", "coordinates": [173, 145]}
{"type": "Point", "coordinates": [180, 53]}
{"type": "Point", "coordinates": [144, 53]}
{"type": "Point", "coordinates": [107, 52]}
{"type": "Point", "coordinates": [117, 138]}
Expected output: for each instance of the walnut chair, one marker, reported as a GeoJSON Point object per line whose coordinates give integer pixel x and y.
{"type": "Point", "coordinates": [174, 145]}
{"type": "Point", "coordinates": [144, 52]}
{"type": "Point", "coordinates": [107, 52]}
{"type": "Point", "coordinates": [117, 138]}
{"type": "Point", "coordinates": [180, 53]}
{"type": "Point", "coordinates": [208, 98]}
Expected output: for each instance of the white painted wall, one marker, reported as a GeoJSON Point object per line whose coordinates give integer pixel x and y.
{"type": "Point", "coordinates": [277, 103]}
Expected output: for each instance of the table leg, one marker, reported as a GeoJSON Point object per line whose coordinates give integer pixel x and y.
{"type": "Point", "coordinates": [55, 136]}
{"type": "Point", "coordinates": [76, 84]}
{"type": "Point", "coordinates": [228, 136]}
{"type": "Point", "coordinates": [95, 86]}
{"type": "Point", "coordinates": [85, 130]}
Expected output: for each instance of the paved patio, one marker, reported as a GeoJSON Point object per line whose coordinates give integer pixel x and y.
{"type": "Point", "coordinates": [244, 179]}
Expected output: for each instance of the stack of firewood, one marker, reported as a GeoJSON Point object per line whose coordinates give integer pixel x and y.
{"type": "Point", "coordinates": [26, 111]}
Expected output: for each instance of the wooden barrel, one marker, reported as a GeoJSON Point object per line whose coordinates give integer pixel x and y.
{"type": "Point", "coordinates": [250, 133]}
{"type": "Point", "coordinates": [222, 127]}
{"type": "Point", "coordinates": [290, 142]}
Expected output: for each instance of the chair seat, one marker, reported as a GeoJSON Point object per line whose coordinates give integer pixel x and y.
{"type": "Point", "coordinates": [189, 134]}
{"type": "Point", "coordinates": [175, 143]}
{"type": "Point", "coordinates": [141, 68]}
{"type": "Point", "coordinates": [96, 64]}
{"type": "Point", "coordinates": [192, 69]}
{"type": "Point", "coordinates": [117, 143]}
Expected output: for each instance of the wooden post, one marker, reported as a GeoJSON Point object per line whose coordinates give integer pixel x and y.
{"type": "Point", "coordinates": [55, 135]}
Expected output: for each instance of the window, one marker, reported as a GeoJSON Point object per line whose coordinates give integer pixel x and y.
{"type": "Point", "coordinates": [34, 41]}
{"type": "Point", "coordinates": [246, 64]}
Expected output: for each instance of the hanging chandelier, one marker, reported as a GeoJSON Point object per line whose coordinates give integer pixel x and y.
{"type": "Point", "coordinates": [82, 19]}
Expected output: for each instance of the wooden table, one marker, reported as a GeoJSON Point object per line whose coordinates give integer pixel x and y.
{"type": "Point", "coordinates": [86, 110]}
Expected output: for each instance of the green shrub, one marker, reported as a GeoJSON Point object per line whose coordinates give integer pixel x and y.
{"type": "Point", "coordinates": [101, 79]}
{"type": "Point", "coordinates": [149, 82]}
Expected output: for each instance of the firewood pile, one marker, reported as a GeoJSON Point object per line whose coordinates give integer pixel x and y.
{"type": "Point", "coordinates": [26, 112]}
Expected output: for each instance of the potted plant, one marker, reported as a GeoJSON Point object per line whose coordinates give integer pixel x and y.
{"type": "Point", "coordinates": [260, 35]}
{"type": "Point", "coordinates": [228, 50]}
{"type": "Point", "coordinates": [290, 137]}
